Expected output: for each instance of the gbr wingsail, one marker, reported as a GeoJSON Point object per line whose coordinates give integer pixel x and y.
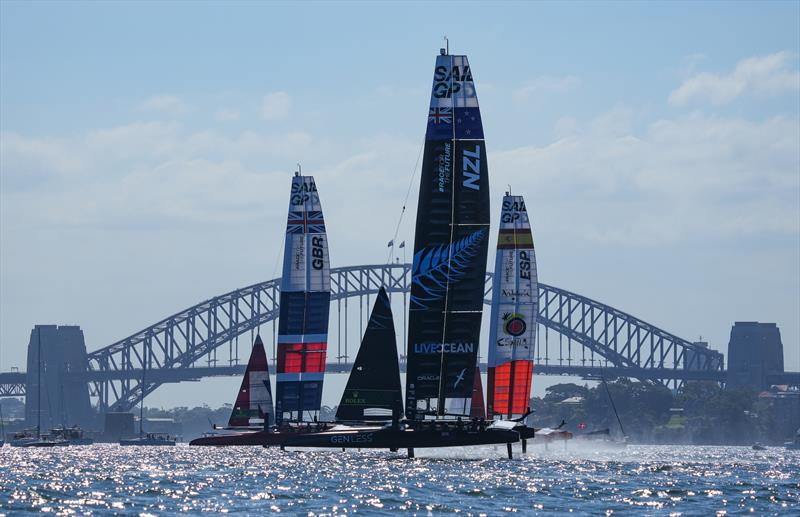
{"type": "Point", "coordinates": [253, 406]}
{"type": "Point", "coordinates": [515, 306]}
{"type": "Point", "coordinates": [304, 305]}
{"type": "Point", "coordinates": [450, 248]}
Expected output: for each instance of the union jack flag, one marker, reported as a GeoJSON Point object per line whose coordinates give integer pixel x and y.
{"type": "Point", "coordinates": [305, 222]}
{"type": "Point", "coordinates": [440, 115]}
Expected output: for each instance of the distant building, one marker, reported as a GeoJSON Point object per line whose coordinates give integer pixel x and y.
{"type": "Point", "coordinates": [755, 351]}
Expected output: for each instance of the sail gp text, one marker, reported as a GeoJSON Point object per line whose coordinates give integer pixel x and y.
{"type": "Point", "coordinates": [352, 438]}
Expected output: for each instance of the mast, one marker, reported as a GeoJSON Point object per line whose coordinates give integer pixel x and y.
{"type": "Point", "coordinates": [450, 248]}
{"type": "Point", "coordinates": [515, 306]}
{"type": "Point", "coordinates": [304, 306]}
{"type": "Point", "coordinates": [141, 402]}
{"type": "Point", "coordinates": [38, 382]}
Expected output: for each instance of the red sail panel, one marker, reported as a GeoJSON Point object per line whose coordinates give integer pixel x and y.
{"type": "Point", "coordinates": [478, 407]}
{"type": "Point", "coordinates": [301, 357]}
{"type": "Point", "coordinates": [510, 386]}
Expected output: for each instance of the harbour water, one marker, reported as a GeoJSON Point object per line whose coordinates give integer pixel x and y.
{"type": "Point", "coordinates": [642, 480]}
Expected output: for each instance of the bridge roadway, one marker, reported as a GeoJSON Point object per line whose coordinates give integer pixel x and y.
{"type": "Point", "coordinates": [12, 384]}
{"type": "Point", "coordinates": [169, 375]}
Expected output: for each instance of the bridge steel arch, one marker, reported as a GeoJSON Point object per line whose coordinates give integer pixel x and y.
{"type": "Point", "coordinates": [175, 347]}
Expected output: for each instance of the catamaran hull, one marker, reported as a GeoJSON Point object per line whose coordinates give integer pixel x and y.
{"type": "Point", "coordinates": [401, 439]}
{"type": "Point", "coordinates": [228, 440]}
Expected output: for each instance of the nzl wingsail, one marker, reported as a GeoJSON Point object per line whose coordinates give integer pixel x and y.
{"type": "Point", "coordinates": [304, 304]}
{"type": "Point", "coordinates": [253, 405]}
{"type": "Point", "coordinates": [450, 249]}
{"type": "Point", "coordinates": [515, 306]}
{"type": "Point", "coordinates": [373, 390]}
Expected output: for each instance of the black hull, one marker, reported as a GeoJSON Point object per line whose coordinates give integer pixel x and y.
{"type": "Point", "coordinates": [402, 439]}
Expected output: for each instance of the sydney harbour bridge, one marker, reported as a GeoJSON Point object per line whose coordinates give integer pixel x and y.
{"type": "Point", "coordinates": [577, 336]}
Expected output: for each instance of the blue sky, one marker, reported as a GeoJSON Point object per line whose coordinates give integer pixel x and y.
{"type": "Point", "coordinates": [146, 149]}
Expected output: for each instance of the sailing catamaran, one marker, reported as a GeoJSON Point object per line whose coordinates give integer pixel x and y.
{"type": "Point", "coordinates": [252, 414]}
{"type": "Point", "coordinates": [304, 305]}
{"type": "Point", "coordinates": [450, 248]}
{"type": "Point", "coordinates": [302, 336]}
{"type": "Point", "coordinates": [444, 397]}
{"type": "Point", "coordinates": [512, 332]}
{"type": "Point", "coordinates": [515, 304]}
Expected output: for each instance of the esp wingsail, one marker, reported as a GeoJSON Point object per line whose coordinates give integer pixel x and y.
{"type": "Point", "coordinates": [515, 306]}
{"type": "Point", "coordinates": [373, 389]}
{"type": "Point", "coordinates": [253, 404]}
{"type": "Point", "coordinates": [450, 248]}
{"type": "Point", "coordinates": [304, 305]}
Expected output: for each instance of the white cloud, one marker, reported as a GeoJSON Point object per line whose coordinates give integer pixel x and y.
{"type": "Point", "coordinates": [276, 105]}
{"type": "Point", "coordinates": [683, 180]}
{"type": "Point", "coordinates": [165, 103]}
{"type": "Point", "coordinates": [545, 84]}
{"type": "Point", "coordinates": [764, 75]}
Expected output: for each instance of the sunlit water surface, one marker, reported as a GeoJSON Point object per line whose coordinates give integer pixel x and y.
{"type": "Point", "coordinates": [657, 480]}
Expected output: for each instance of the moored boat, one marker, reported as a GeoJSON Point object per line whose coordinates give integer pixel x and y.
{"type": "Point", "coordinates": [149, 439]}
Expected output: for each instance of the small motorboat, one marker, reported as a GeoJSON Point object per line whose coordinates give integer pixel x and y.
{"type": "Point", "coordinates": [151, 439]}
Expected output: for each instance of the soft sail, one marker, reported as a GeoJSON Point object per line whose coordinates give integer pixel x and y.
{"type": "Point", "coordinates": [373, 389]}
{"type": "Point", "coordinates": [450, 248]}
{"type": "Point", "coordinates": [515, 306]}
{"type": "Point", "coordinates": [304, 306]}
{"type": "Point", "coordinates": [254, 401]}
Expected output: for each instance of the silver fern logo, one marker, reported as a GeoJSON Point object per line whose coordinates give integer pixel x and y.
{"type": "Point", "coordinates": [436, 267]}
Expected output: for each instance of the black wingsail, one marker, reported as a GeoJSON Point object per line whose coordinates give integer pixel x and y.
{"type": "Point", "coordinates": [373, 388]}
{"type": "Point", "coordinates": [450, 249]}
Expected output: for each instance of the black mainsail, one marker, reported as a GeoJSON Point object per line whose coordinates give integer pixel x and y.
{"type": "Point", "coordinates": [450, 248]}
{"type": "Point", "coordinates": [373, 388]}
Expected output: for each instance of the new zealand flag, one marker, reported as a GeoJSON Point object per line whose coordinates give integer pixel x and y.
{"type": "Point", "coordinates": [468, 123]}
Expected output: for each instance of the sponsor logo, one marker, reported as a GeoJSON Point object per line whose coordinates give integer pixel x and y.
{"type": "Point", "coordinates": [513, 342]}
{"type": "Point", "coordinates": [443, 178]}
{"type": "Point", "coordinates": [524, 264]}
{"type": "Point", "coordinates": [426, 378]}
{"type": "Point", "coordinates": [460, 377]}
{"type": "Point", "coordinates": [317, 252]}
{"type": "Point", "coordinates": [512, 293]}
{"type": "Point", "coordinates": [354, 399]}
{"type": "Point", "coordinates": [514, 324]}
{"type": "Point", "coordinates": [471, 168]}
{"type": "Point", "coordinates": [446, 348]}
{"type": "Point", "coordinates": [302, 192]}
{"type": "Point", "coordinates": [299, 254]}
{"type": "Point", "coordinates": [447, 82]}
{"type": "Point", "coordinates": [352, 438]}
